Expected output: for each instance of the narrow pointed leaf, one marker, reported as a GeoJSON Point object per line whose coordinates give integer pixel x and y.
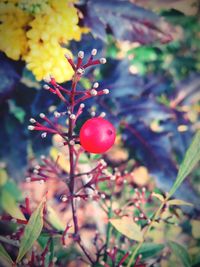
{"type": "Point", "coordinates": [53, 218]}
{"type": "Point", "coordinates": [158, 196]}
{"type": "Point", "coordinates": [192, 157]}
{"type": "Point", "coordinates": [5, 256]}
{"type": "Point", "coordinates": [32, 231]}
{"type": "Point", "coordinates": [148, 250]}
{"type": "Point", "coordinates": [180, 253]}
{"type": "Point", "coordinates": [128, 228]}
{"type": "Point", "coordinates": [178, 202]}
{"type": "Point", "coordinates": [10, 205]}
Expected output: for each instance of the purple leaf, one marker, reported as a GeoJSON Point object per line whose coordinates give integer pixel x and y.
{"type": "Point", "coordinates": [126, 21]}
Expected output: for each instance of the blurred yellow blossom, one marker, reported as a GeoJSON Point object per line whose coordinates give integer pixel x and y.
{"type": "Point", "coordinates": [34, 31]}
{"type": "Point", "coordinates": [13, 40]}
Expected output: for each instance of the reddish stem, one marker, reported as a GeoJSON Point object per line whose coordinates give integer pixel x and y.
{"type": "Point", "coordinates": [72, 170]}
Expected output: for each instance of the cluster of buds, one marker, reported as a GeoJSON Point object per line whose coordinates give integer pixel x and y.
{"type": "Point", "coordinates": [119, 260]}
{"type": "Point", "coordinates": [113, 255]}
{"type": "Point", "coordinates": [71, 98]}
{"type": "Point", "coordinates": [48, 170]}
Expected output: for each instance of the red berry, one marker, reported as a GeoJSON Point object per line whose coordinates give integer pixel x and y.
{"type": "Point", "coordinates": [97, 135]}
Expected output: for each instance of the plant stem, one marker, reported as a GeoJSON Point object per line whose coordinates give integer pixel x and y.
{"type": "Point", "coordinates": [109, 228]}
{"type": "Point", "coordinates": [135, 251]}
{"type": "Point", "coordinates": [71, 159]}
{"type": "Point", "coordinates": [72, 171]}
{"type": "Point", "coordinates": [108, 232]}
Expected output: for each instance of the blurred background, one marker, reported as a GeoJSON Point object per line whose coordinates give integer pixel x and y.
{"type": "Point", "coordinates": [152, 72]}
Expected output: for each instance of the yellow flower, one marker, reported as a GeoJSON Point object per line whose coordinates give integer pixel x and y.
{"type": "Point", "coordinates": [47, 58]}
{"type": "Point", "coordinates": [58, 25]}
{"type": "Point", "coordinates": [13, 39]}
{"type": "Point", "coordinates": [34, 30]}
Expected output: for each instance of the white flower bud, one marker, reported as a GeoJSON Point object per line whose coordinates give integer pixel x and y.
{"type": "Point", "coordinates": [71, 142]}
{"type": "Point", "coordinates": [44, 135]}
{"type": "Point", "coordinates": [94, 52]}
{"type": "Point", "coordinates": [42, 115]}
{"type": "Point", "coordinates": [102, 60]}
{"type": "Point", "coordinates": [96, 85]}
{"type": "Point", "coordinates": [103, 114]}
{"type": "Point", "coordinates": [81, 54]}
{"type": "Point", "coordinates": [72, 116]}
{"type": "Point", "coordinates": [31, 127]}
{"type": "Point", "coordinates": [28, 179]}
{"type": "Point", "coordinates": [35, 171]}
{"type": "Point", "coordinates": [32, 120]}
{"type": "Point", "coordinates": [102, 162]}
{"type": "Point", "coordinates": [82, 105]}
{"type": "Point", "coordinates": [137, 204]}
{"type": "Point", "coordinates": [106, 91]}
{"type": "Point", "coordinates": [54, 260]}
{"type": "Point", "coordinates": [64, 198]}
{"type": "Point", "coordinates": [37, 167]}
{"type": "Point", "coordinates": [148, 221]}
{"type": "Point", "coordinates": [46, 87]}
{"type": "Point", "coordinates": [57, 114]}
{"type": "Point", "coordinates": [80, 71]}
{"type": "Point", "coordinates": [93, 92]}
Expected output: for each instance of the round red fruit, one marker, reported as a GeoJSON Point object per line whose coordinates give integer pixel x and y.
{"type": "Point", "coordinates": [97, 135]}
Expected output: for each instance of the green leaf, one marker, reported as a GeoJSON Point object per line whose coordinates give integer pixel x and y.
{"type": "Point", "coordinates": [4, 256]}
{"type": "Point", "coordinates": [3, 177]}
{"type": "Point", "coordinates": [54, 219]}
{"type": "Point", "coordinates": [10, 205]}
{"type": "Point", "coordinates": [31, 231]}
{"type": "Point", "coordinates": [43, 239]}
{"type": "Point", "coordinates": [86, 83]}
{"type": "Point", "coordinates": [128, 228]}
{"type": "Point", "coordinates": [18, 112]}
{"type": "Point", "coordinates": [178, 202]}
{"type": "Point", "coordinates": [13, 189]}
{"type": "Point", "coordinates": [180, 253]}
{"type": "Point", "coordinates": [192, 157]}
{"type": "Point", "coordinates": [51, 250]}
{"type": "Point", "coordinates": [158, 196]}
{"type": "Point", "coordinates": [148, 250]}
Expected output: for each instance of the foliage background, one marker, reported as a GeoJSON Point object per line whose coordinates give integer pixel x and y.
{"type": "Point", "coordinates": [152, 72]}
